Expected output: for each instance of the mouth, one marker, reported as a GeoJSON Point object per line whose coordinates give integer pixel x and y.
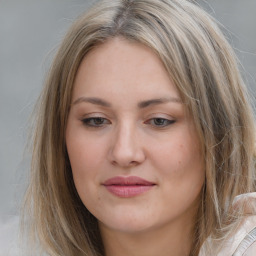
{"type": "Point", "coordinates": [128, 186]}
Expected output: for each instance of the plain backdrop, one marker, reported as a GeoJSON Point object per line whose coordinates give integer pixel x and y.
{"type": "Point", "coordinates": [30, 31]}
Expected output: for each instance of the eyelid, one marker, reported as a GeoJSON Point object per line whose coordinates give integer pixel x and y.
{"type": "Point", "coordinates": [160, 115]}
{"type": "Point", "coordinates": [95, 120]}
{"type": "Point", "coordinates": [93, 115]}
{"type": "Point", "coordinates": [99, 120]}
{"type": "Point", "coordinates": [165, 120]}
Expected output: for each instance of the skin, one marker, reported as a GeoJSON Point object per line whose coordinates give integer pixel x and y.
{"type": "Point", "coordinates": [156, 141]}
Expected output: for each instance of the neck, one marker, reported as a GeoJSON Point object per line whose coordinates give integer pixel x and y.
{"type": "Point", "coordinates": [171, 239]}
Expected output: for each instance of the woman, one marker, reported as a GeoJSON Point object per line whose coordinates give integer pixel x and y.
{"type": "Point", "coordinates": [144, 137]}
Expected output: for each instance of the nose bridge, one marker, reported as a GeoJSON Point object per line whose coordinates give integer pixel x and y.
{"type": "Point", "coordinates": [126, 148]}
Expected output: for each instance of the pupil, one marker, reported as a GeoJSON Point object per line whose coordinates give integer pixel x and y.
{"type": "Point", "coordinates": [159, 121]}
{"type": "Point", "coordinates": [98, 120]}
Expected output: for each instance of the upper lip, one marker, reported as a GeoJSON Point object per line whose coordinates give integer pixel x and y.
{"type": "Point", "coordinates": [128, 181]}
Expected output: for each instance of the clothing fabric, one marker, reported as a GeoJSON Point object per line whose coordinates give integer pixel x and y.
{"type": "Point", "coordinates": [248, 243]}
{"type": "Point", "coordinates": [243, 242]}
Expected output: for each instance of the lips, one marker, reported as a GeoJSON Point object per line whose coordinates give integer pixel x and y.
{"type": "Point", "coordinates": [128, 186]}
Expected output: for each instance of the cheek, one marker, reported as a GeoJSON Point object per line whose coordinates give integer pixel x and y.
{"type": "Point", "coordinates": [177, 153]}
{"type": "Point", "coordinates": [83, 162]}
{"type": "Point", "coordinates": [84, 152]}
{"type": "Point", "coordinates": [183, 176]}
{"type": "Point", "coordinates": [180, 162]}
{"type": "Point", "coordinates": [83, 156]}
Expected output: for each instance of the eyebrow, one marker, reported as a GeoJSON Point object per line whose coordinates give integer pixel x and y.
{"type": "Point", "coordinates": [95, 101]}
{"type": "Point", "coordinates": [142, 104]}
{"type": "Point", "coordinates": [158, 101]}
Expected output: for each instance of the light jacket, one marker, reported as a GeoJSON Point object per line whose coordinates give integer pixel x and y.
{"type": "Point", "coordinates": [243, 242]}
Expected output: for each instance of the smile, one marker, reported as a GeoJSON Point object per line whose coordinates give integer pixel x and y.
{"type": "Point", "coordinates": [128, 186]}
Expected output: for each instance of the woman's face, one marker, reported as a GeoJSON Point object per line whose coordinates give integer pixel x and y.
{"type": "Point", "coordinates": [134, 152]}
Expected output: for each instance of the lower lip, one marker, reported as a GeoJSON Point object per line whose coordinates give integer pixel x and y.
{"type": "Point", "coordinates": [128, 191]}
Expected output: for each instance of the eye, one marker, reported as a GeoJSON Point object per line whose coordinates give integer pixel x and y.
{"type": "Point", "coordinates": [160, 122]}
{"type": "Point", "coordinates": [95, 121]}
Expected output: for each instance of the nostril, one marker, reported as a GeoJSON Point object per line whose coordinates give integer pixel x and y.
{"type": "Point", "coordinates": [133, 163]}
{"type": "Point", "coordinates": [125, 150]}
{"type": "Point", "coordinates": [125, 164]}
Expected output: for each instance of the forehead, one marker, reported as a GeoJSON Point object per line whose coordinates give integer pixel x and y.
{"type": "Point", "coordinates": [123, 67]}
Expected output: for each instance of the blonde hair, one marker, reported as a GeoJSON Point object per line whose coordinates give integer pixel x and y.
{"type": "Point", "coordinates": [203, 67]}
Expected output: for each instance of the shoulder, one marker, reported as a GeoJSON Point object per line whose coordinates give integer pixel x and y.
{"type": "Point", "coordinates": [243, 241]}
{"type": "Point", "coordinates": [247, 246]}
{"type": "Point", "coordinates": [251, 251]}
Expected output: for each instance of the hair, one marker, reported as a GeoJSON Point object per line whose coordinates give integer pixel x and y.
{"type": "Point", "coordinates": [204, 68]}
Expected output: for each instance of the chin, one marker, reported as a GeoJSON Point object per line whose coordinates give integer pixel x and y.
{"type": "Point", "coordinates": [128, 227]}
{"type": "Point", "coordinates": [128, 222]}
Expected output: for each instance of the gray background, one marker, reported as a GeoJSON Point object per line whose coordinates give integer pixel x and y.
{"type": "Point", "coordinates": [30, 31]}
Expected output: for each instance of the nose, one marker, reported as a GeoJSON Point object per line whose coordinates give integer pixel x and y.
{"type": "Point", "coordinates": [126, 147]}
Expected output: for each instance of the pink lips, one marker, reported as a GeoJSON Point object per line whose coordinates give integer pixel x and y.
{"type": "Point", "coordinates": [128, 186]}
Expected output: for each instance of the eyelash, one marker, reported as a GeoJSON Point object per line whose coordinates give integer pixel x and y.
{"type": "Point", "coordinates": [98, 122]}
{"type": "Point", "coordinates": [88, 122]}
{"type": "Point", "coordinates": [162, 122]}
